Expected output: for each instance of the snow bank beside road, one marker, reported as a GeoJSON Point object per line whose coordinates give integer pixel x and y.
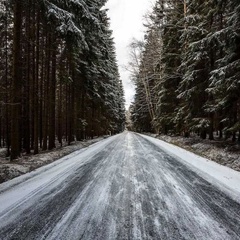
{"type": "Point", "coordinates": [22, 188]}
{"type": "Point", "coordinates": [227, 179]}
{"type": "Point", "coordinates": [28, 163]}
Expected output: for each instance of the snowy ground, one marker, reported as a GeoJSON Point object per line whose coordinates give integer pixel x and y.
{"type": "Point", "coordinates": [222, 152]}
{"type": "Point", "coordinates": [128, 186]}
{"type": "Point", "coordinates": [27, 163]}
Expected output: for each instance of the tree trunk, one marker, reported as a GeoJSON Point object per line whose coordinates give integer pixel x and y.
{"type": "Point", "coordinates": [203, 134]}
{"type": "Point", "coordinates": [26, 87]}
{"type": "Point", "coordinates": [36, 102]}
{"type": "Point", "coordinates": [60, 112]}
{"type": "Point", "coordinates": [17, 82]}
{"type": "Point", "coordinates": [211, 128]}
{"type": "Point", "coordinates": [52, 96]}
{"type": "Point", "coordinates": [234, 137]}
{"type": "Point", "coordinates": [41, 100]}
{"type": "Point", "coordinates": [46, 95]}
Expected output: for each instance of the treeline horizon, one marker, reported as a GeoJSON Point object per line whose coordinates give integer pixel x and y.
{"type": "Point", "coordinates": [59, 78]}
{"type": "Point", "coordinates": [187, 73]}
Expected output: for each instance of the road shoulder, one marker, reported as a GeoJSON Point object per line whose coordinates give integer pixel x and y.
{"type": "Point", "coordinates": [225, 178]}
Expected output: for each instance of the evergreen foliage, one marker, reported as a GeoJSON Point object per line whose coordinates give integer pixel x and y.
{"type": "Point", "coordinates": [58, 74]}
{"type": "Point", "coordinates": [196, 88]}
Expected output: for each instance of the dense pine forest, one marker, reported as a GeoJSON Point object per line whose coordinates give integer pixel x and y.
{"type": "Point", "coordinates": [59, 78]}
{"type": "Point", "coordinates": [187, 70]}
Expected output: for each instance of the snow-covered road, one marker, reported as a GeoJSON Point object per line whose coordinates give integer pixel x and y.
{"type": "Point", "coordinates": [124, 187]}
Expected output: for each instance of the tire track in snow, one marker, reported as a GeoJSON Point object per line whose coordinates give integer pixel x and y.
{"type": "Point", "coordinates": [196, 203]}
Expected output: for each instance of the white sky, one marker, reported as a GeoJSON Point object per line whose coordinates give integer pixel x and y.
{"type": "Point", "coordinates": [127, 23]}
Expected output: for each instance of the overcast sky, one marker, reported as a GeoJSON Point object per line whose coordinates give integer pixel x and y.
{"type": "Point", "coordinates": [127, 23]}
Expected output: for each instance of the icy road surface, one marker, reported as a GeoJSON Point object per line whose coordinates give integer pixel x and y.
{"type": "Point", "coordinates": [124, 187]}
